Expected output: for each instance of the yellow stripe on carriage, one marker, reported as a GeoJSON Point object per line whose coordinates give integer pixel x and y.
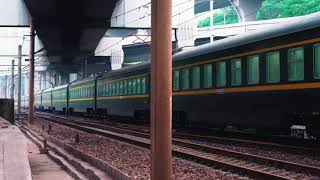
{"type": "Point", "coordinates": [82, 99]}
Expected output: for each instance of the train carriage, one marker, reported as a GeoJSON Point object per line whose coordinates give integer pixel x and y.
{"type": "Point", "coordinates": [59, 98]}
{"type": "Point", "coordinates": [263, 81]}
{"type": "Point", "coordinates": [124, 93]}
{"type": "Point", "coordinates": [37, 100]}
{"type": "Point", "coordinates": [47, 99]}
{"type": "Point", "coordinates": [82, 96]}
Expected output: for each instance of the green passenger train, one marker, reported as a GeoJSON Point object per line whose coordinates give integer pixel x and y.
{"type": "Point", "coordinates": [264, 80]}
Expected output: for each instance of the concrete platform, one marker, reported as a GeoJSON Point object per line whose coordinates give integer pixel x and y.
{"type": "Point", "coordinates": [14, 163]}
{"type": "Point", "coordinates": [44, 168]}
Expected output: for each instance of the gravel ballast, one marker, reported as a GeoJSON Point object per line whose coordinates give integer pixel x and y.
{"type": "Point", "coordinates": [133, 160]}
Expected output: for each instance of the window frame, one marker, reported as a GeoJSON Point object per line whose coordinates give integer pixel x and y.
{"type": "Point", "coordinates": [295, 61]}
{"type": "Point", "coordinates": [134, 86]}
{"type": "Point", "coordinates": [187, 69]}
{"type": "Point", "coordinates": [234, 70]}
{"type": "Point", "coordinates": [138, 85]}
{"type": "Point", "coordinates": [248, 70]}
{"type": "Point", "coordinates": [144, 85]}
{"type": "Point", "coordinates": [206, 83]}
{"type": "Point", "coordinates": [176, 84]}
{"type": "Point", "coordinates": [314, 61]}
{"type": "Point", "coordinates": [224, 84]}
{"type": "Point", "coordinates": [267, 67]}
{"type": "Point", "coordinates": [194, 68]}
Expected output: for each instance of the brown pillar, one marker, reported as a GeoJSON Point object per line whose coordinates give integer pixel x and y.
{"type": "Point", "coordinates": [31, 74]}
{"type": "Point", "coordinates": [161, 89]}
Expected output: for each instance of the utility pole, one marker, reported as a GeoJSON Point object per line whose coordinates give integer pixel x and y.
{"type": "Point", "coordinates": [12, 81]}
{"type": "Point", "coordinates": [19, 80]}
{"type": "Point", "coordinates": [31, 73]}
{"type": "Point", "coordinates": [161, 89]}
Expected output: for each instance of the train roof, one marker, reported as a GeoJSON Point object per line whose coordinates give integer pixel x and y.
{"type": "Point", "coordinates": [38, 92]}
{"type": "Point", "coordinates": [296, 25]}
{"type": "Point", "coordinates": [125, 70]}
{"type": "Point", "coordinates": [82, 81]}
{"type": "Point", "coordinates": [60, 87]}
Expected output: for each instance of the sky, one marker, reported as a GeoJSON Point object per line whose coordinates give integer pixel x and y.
{"type": "Point", "coordinates": [10, 38]}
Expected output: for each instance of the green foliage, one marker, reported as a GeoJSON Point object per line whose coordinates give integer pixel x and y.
{"type": "Point", "coordinates": [230, 14]}
{"type": "Point", "coordinates": [287, 8]}
{"type": "Point", "coordinates": [204, 23]}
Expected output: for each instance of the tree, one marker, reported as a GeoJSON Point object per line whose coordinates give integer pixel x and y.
{"type": "Point", "coordinates": [228, 13]}
{"type": "Point", "coordinates": [287, 8]}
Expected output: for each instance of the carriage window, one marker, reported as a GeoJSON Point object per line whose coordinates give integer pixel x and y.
{"type": "Point", "coordinates": [253, 70]}
{"type": "Point", "coordinates": [89, 92]}
{"type": "Point", "coordinates": [134, 87]}
{"type": "Point", "coordinates": [185, 79]}
{"type": "Point", "coordinates": [121, 88]}
{"type": "Point", "coordinates": [138, 86]}
{"type": "Point", "coordinates": [236, 72]}
{"type": "Point", "coordinates": [273, 67]}
{"type": "Point", "coordinates": [129, 87]}
{"type": "Point", "coordinates": [118, 88]}
{"type": "Point", "coordinates": [221, 74]}
{"type": "Point", "coordinates": [196, 77]}
{"type": "Point", "coordinates": [114, 89]}
{"type": "Point", "coordinates": [110, 89]}
{"type": "Point", "coordinates": [144, 85]}
{"type": "Point", "coordinates": [125, 87]}
{"type": "Point", "coordinates": [99, 93]}
{"type": "Point", "coordinates": [100, 90]}
{"type": "Point", "coordinates": [296, 64]}
{"type": "Point", "coordinates": [106, 90]}
{"type": "Point", "coordinates": [316, 70]}
{"type": "Point", "coordinates": [176, 80]}
{"type": "Point", "coordinates": [208, 76]}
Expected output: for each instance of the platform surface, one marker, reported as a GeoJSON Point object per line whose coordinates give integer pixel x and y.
{"type": "Point", "coordinates": [14, 163]}
{"type": "Point", "coordinates": [43, 168]}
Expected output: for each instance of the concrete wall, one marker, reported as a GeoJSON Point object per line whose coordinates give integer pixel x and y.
{"type": "Point", "coordinates": [7, 109]}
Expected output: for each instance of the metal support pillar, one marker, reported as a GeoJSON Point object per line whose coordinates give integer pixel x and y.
{"type": "Point", "coordinates": [161, 89]}
{"type": "Point", "coordinates": [12, 81]}
{"type": "Point", "coordinates": [19, 79]}
{"type": "Point", "coordinates": [31, 74]}
{"type": "Point", "coordinates": [5, 87]}
{"type": "Point", "coordinates": [211, 20]}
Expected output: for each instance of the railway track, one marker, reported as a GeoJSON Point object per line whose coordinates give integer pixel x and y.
{"type": "Point", "coordinates": [144, 132]}
{"type": "Point", "coordinates": [252, 165]}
